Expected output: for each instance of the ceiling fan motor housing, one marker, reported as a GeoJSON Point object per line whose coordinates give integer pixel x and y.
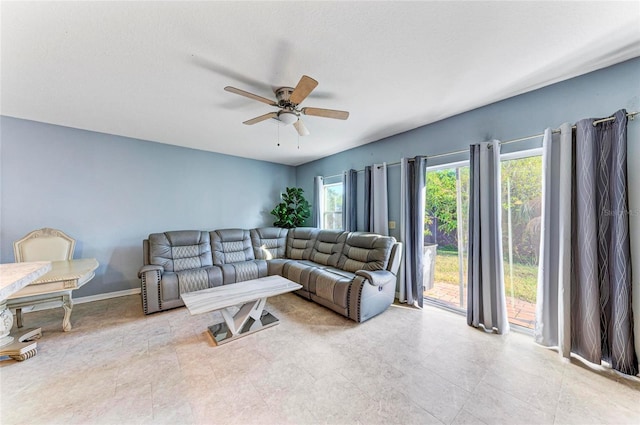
{"type": "Point", "coordinates": [283, 94]}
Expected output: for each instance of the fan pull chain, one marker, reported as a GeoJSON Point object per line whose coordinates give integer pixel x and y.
{"type": "Point", "coordinates": [278, 132]}
{"type": "Point", "coordinates": [298, 141]}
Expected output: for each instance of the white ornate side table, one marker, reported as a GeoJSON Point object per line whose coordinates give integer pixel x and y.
{"type": "Point", "coordinates": [56, 286]}
{"type": "Point", "coordinates": [14, 277]}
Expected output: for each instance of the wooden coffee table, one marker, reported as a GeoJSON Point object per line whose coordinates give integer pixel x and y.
{"type": "Point", "coordinates": [250, 295]}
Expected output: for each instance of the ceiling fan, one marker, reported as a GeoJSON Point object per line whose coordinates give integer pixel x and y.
{"type": "Point", "coordinates": [288, 100]}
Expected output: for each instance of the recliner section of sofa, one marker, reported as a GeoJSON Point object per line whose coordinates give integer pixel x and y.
{"type": "Point", "coordinates": [234, 254]}
{"type": "Point", "coordinates": [176, 262]}
{"type": "Point", "coordinates": [351, 273]}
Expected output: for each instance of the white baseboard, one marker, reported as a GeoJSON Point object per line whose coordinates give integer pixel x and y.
{"type": "Point", "coordinates": [106, 296]}
{"type": "Point", "coordinates": [82, 300]}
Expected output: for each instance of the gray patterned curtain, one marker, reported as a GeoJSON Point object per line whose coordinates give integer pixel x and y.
{"type": "Point", "coordinates": [487, 305]}
{"type": "Point", "coordinates": [601, 312]}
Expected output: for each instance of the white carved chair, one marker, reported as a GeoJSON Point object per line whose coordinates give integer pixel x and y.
{"type": "Point", "coordinates": [43, 245]}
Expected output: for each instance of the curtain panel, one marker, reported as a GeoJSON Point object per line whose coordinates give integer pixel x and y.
{"type": "Point", "coordinates": [412, 204]}
{"type": "Point", "coordinates": [601, 311]}
{"type": "Point", "coordinates": [367, 198]}
{"type": "Point", "coordinates": [376, 203]}
{"type": "Point", "coordinates": [486, 305]}
{"type": "Point", "coordinates": [349, 212]}
{"type": "Point", "coordinates": [318, 192]}
{"type": "Point", "coordinates": [552, 326]}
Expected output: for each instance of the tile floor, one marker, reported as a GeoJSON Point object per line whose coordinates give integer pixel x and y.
{"type": "Point", "coordinates": [118, 366]}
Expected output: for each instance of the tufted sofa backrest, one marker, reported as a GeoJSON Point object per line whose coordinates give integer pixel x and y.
{"type": "Point", "coordinates": [328, 247]}
{"type": "Point", "coordinates": [180, 250]}
{"type": "Point", "coordinates": [269, 242]}
{"type": "Point", "coordinates": [231, 246]}
{"type": "Point", "coordinates": [300, 241]}
{"type": "Point", "coordinates": [365, 251]}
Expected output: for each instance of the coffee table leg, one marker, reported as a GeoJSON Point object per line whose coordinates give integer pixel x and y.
{"type": "Point", "coordinates": [249, 319]}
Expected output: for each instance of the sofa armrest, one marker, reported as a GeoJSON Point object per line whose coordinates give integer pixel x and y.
{"type": "Point", "coordinates": [150, 277]}
{"type": "Point", "coordinates": [378, 277]}
{"type": "Point", "coordinates": [150, 268]}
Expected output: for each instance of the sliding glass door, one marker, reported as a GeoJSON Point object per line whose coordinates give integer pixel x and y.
{"type": "Point", "coordinates": [446, 235]}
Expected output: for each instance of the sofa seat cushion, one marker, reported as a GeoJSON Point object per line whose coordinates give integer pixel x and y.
{"type": "Point", "coordinates": [245, 270]}
{"type": "Point", "coordinates": [198, 279]}
{"type": "Point", "coordinates": [348, 275]}
{"type": "Point", "coordinates": [330, 287]}
{"type": "Point", "coordinates": [328, 247]}
{"type": "Point", "coordinates": [298, 272]}
{"type": "Point", "coordinates": [365, 251]}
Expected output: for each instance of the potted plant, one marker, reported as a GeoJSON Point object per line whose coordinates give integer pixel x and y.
{"type": "Point", "coordinates": [293, 210]}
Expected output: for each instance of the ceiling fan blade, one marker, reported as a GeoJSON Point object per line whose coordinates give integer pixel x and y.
{"type": "Point", "coordinates": [300, 127]}
{"type": "Point", "coordinates": [302, 90]}
{"type": "Point", "coordinates": [250, 95]}
{"type": "Point", "coordinates": [326, 113]}
{"type": "Point", "coordinates": [261, 118]}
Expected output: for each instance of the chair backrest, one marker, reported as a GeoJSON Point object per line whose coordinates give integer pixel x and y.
{"type": "Point", "coordinates": [269, 242]}
{"type": "Point", "coordinates": [231, 246]}
{"type": "Point", "coordinates": [300, 242]}
{"type": "Point", "coordinates": [44, 245]}
{"type": "Point", "coordinates": [328, 247]}
{"type": "Point", "coordinates": [180, 250]}
{"type": "Point", "coordinates": [366, 251]}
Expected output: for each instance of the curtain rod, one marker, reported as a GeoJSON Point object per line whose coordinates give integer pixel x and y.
{"type": "Point", "coordinates": [630, 115]}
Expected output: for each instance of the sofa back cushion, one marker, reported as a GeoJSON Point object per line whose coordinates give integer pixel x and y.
{"type": "Point", "coordinates": [300, 241]}
{"type": "Point", "coordinates": [269, 242]}
{"type": "Point", "coordinates": [180, 250]}
{"type": "Point", "coordinates": [328, 247]}
{"type": "Point", "coordinates": [231, 246]}
{"type": "Point", "coordinates": [365, 251]}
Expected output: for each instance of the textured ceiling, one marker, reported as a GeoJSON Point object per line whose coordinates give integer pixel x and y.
{"type": "Point", "coordinates": [156, 71]}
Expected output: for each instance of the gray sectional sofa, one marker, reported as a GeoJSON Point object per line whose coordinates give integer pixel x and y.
{"type": "Point", "coordinates": [352, 273]}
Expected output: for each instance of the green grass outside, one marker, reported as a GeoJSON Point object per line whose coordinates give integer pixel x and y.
{"type": "Point", "coordinates": [525, 277]}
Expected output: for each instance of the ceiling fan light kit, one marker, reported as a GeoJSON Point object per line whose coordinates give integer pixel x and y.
{"type": "Point", "coordinates": [288, 100]}
{"type": "Point", "coordinates": [287, 117]}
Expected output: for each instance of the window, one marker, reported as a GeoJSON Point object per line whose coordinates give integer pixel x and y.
{"type": "Point", "coordinates": [446, 233]}
{"type": "Point", "coordinates": [332, 206]}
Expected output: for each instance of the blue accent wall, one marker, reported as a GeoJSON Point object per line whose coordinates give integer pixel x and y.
{"type": "Point", "coordinates": [110, 192]}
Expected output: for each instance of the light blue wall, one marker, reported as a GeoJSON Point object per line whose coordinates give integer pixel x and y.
{"type": "Point", "coordinates": [110, 192]}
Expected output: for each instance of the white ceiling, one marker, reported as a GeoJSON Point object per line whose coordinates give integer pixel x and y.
{"type": "Point", "coordinates": [156, 71]}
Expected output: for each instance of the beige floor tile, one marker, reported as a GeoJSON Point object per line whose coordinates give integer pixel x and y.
{"type": "Point", "coordinates": [493, 406]}
{"type": "Point", "coordinates": [118, 366]}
